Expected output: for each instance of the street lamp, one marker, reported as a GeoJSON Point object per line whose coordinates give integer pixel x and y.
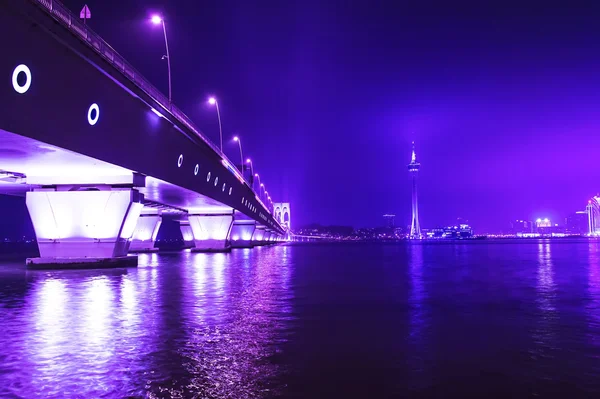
{"type": "Point", "coordinates": [251, 170]}
{"type": "Point", "coordinates": [259, 185]}
{"type": "Point", "coordinates": [156, 20]}
{"type": "Point", "coordinates": [213, 101]}
{"type": "Point", "coordinates": [236, 138]}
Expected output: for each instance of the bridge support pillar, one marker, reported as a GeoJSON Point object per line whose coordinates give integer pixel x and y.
{"type": "Point", "coordinates": [259, 235]}
{"type": "Point", "coordinates": [146, 230]}
{"type": "Point", "coordinates": [76, 228]}
{"type": "Point", "coordinates": [187, 234]}
{"type": "Point", "coordinates": [210, 231]}
{"type": "Point", "coordinates": [241, 233]}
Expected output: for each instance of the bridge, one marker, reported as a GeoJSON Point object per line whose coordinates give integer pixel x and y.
{"type": "Point", "coordinates": [102, 156]}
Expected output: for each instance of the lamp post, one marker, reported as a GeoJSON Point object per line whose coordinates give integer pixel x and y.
{"type": "Point", "coordinates": [236, 138]}
{"type": "Point", "coordinates": [156, 20]}
{"type": "Point", "coordinates": [258, 177]}
{"type": "Point", "coordinates": [259, 190]}
{"type": "Point", "coordinates": [213, 101]}
{"type": "Point", "coordinates": [251, 170]}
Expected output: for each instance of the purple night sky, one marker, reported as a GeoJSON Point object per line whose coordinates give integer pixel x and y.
{"type": "Point", "coordinates": [327, 96]}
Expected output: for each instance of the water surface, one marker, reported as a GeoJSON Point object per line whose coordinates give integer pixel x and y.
{"type": "Point", "coordinates": [461, 319]}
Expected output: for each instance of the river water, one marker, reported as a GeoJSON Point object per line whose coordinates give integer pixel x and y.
{"type": "Point", "coordinates": [308, 320]}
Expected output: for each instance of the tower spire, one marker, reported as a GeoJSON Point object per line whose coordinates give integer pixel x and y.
{"type": "Point", "coordinates": [413, 168]}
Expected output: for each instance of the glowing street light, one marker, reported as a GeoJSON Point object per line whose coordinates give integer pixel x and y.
{"type": "Point", "coordinates": [258, 177]}
{"type": "Point", "coordinates": [213, 101]}
{"type": "Point", "coordinates": [260, 185]}
{"type": "Point", "coordinates": [158, 20]}
{"type": "Point", "coordinates": [236, 138]}
{"type": "Point", "coordinates": [251, 170]}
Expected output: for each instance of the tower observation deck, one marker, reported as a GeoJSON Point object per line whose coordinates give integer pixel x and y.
{"type": "Point", "coordinates": [413, 168]}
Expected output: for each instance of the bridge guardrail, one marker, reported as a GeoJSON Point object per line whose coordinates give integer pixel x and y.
{"type": "Point", "coordinates": [61, 13]}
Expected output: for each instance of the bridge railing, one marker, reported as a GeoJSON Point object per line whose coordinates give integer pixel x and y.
{"type": "Point", "coordinates": [61, 13]}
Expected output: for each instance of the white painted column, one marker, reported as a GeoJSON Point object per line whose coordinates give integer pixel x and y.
{"type": "Point", "coordinates": [211, 231]}
{"type": "Point", "coordinates": [146, 230]}
{"type": "Point", "coordinates": [259, 235]}
{"type": "Point", "coordinates": [241, 233]}
{"type": "Point", "coordinates": [187, 234]}
{"type": "Point", "coordinates": [267, 236]}
{"type": "Point", "coordinates": [75, 228]}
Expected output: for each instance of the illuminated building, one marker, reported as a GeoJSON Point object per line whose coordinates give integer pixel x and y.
{"type": "Point", "coordinates": [593, 214]}
{"type": "Point", "coordinates": [545, 228]}
{"type": "Point", "coordinates": [460, 231]}
{"type": "Point", "coordinates": [577, 223]}
{"type": "Point", "coordinates": [413, 168]}
{"type": "Point", "coordinates": [521, 226]}
{"type": "Point", "coordinates": [389, 221]}
{"type": "Point", "coordinates": [541, 223]}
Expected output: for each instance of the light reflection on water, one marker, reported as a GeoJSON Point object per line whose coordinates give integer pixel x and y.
{"type": "Point", "coordinates": [417, 294]}
{"type": "Point", "coordinates": [594, 292]}
{"type": "Point", "coordinates": [445, 319]}
{"type": "Point", "coordinates": [544, 334]}
{"type": "Point", "coordinates": [184, 325]}
{"type": "Point", "coordinates": [418, 322]}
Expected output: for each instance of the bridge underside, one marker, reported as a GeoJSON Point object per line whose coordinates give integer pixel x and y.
{"type": "Point", "coordinates": [90, 213]}
{"type": "Point", "coordinates": [99, 154]}
{"type": "Point", "coordinates": [26, 164]}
